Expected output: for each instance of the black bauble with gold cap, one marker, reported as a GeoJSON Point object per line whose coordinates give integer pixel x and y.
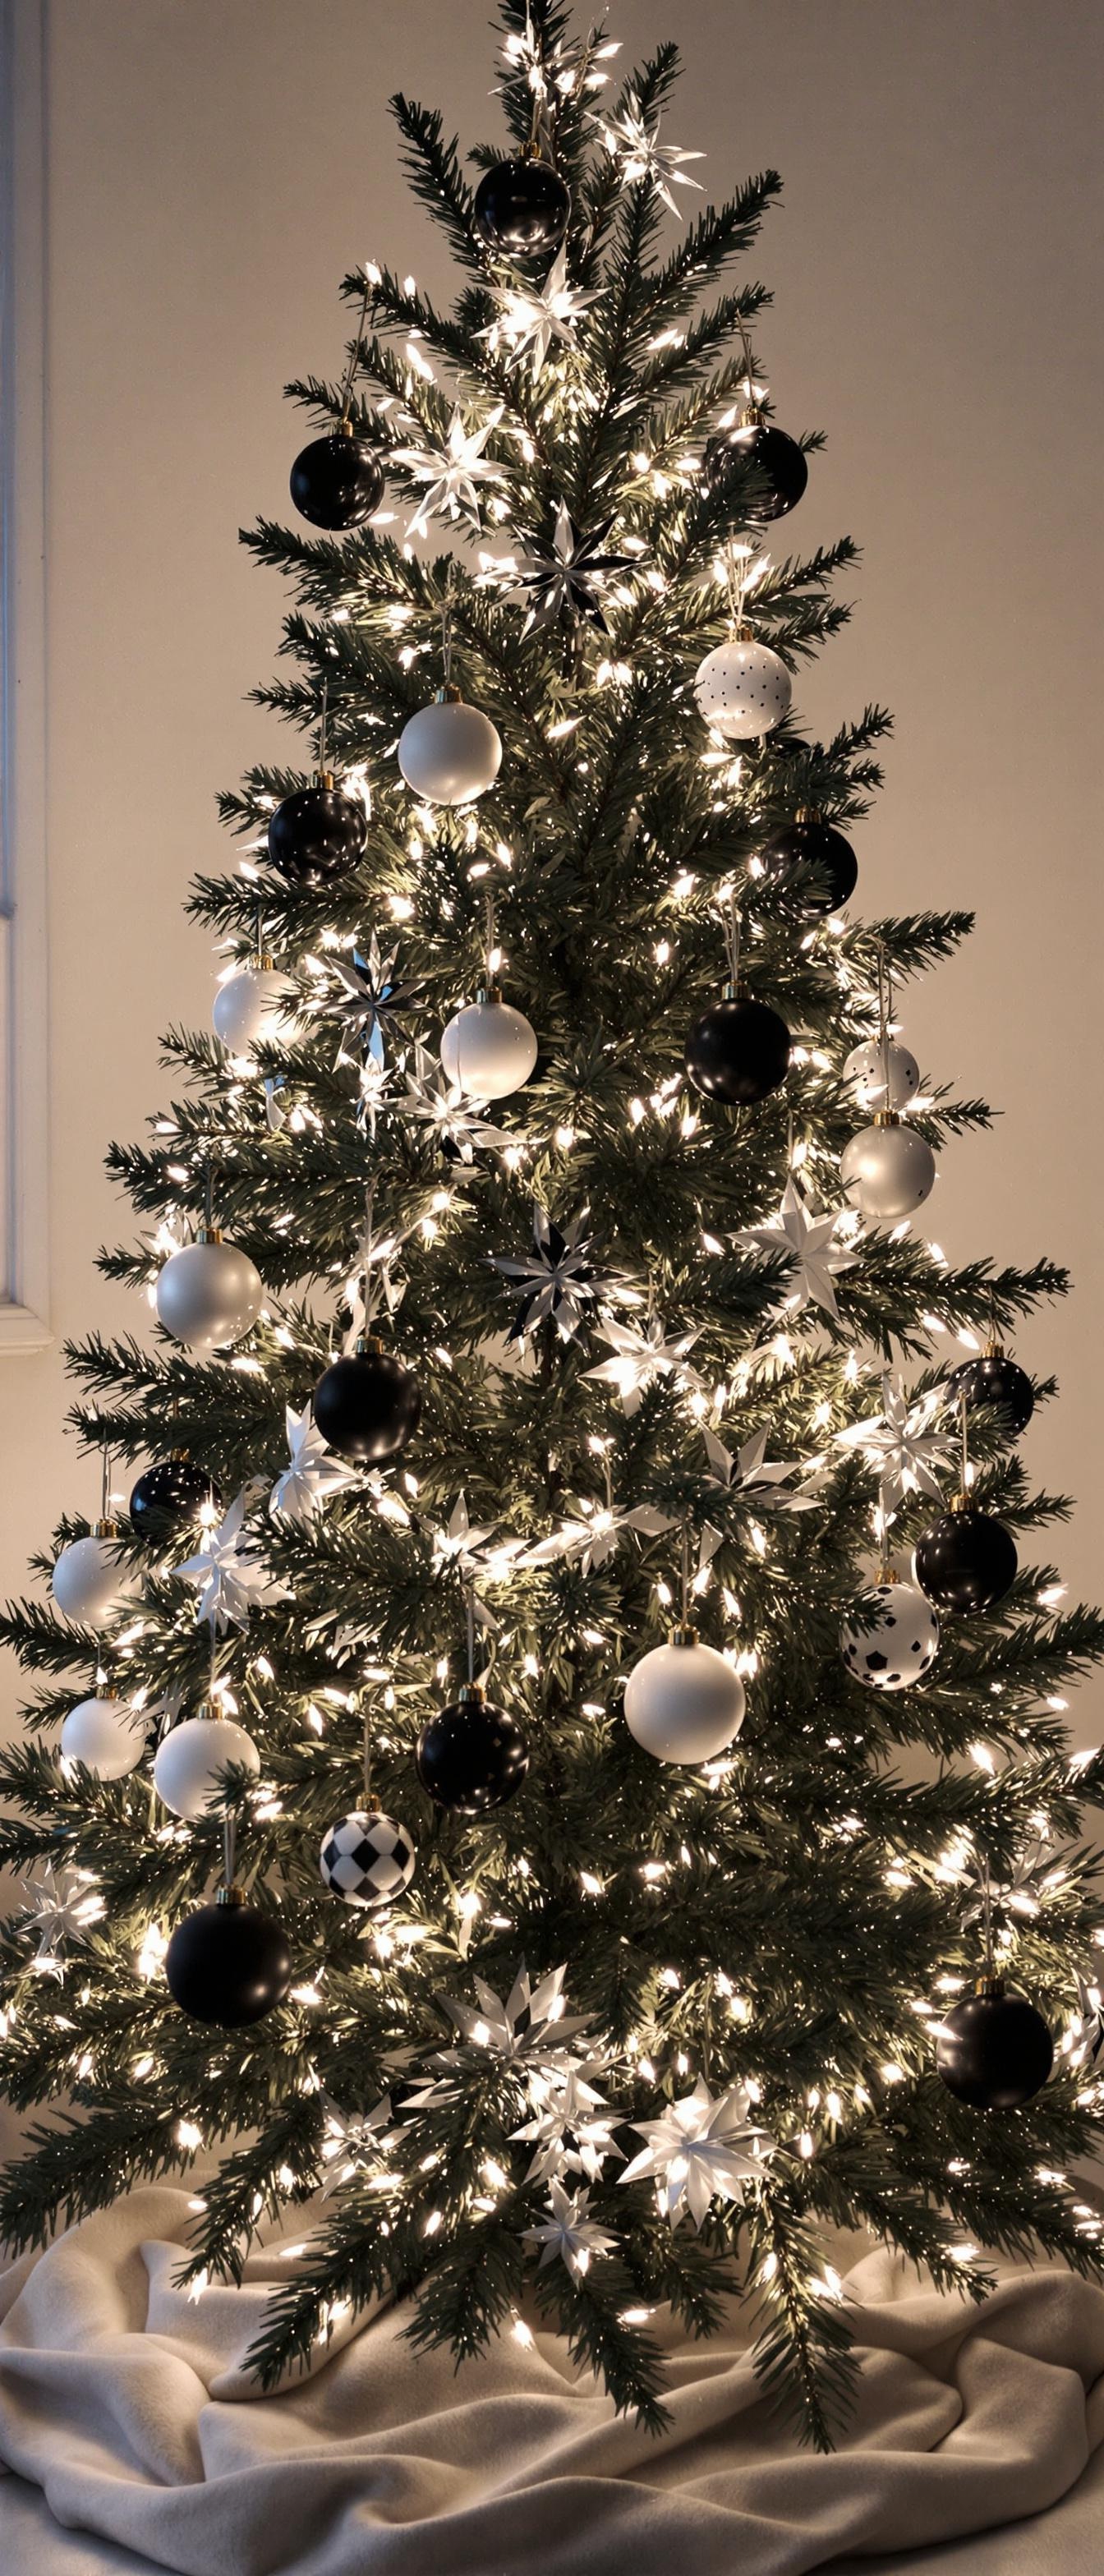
{"type": "Point", "coordinates": [993, 2050]}
{"type": "Point", "coordinates": [522, 206]}
{"type": "Point", "coordinates": [472, 1756]}
{"type": "Point", "coordinates": [228, 1963]}
{"type": "Point", "coordinates": [367, 1404]}
{"type": "Point", "coordinates": [337, 481]}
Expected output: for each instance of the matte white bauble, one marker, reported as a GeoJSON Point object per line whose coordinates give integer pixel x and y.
{"type": "Point", "coordinates": [866, 1069]}
{"type": "Point", "coordinates": [449, 752]}
{"type": "Point", "coordinates": [684, 1703]}
{"type": "Point", "coordinates": [257, 1005]}
{"type": "Point", "coordinates": [488, 1049]}
{"type": "Point", "coordinates": [743, 689]}
{"type": "Point", "coordinates": [891, 1646]}
{"type": "Point", "coordinates": [188, 1762]}
{"type": "Point", "coordinates": [208, 1293]}
{"type": "Point", "coordinates": [105, 1734]}
{"type": "Point", "coordinates": [887, 1171]}
{"type": "Point", "coordinates": [89, 1582]}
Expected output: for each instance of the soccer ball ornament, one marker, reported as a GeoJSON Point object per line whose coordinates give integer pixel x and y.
{"type": "Point", "coordinates": [809, 843]}
{"type": "Point", "coordinates": [966, 1560]}
{"type": "Point", "coordinates": [208, 1293]}
{"type": "Point", "coordinates": [1002, 1385]}
{"type": "Point", "coordinates": [993, 2049]}
{"type": "Point", "coordinates": [449, 752]}
{"type": "Point", "coordinates": [105, 1735]}
{"type": "Point", "coordinates": [683, 1702]}
{"type": "Point", "coordinates": [228, 1963]}
{"type": "Point", "coordinates": [367, 1406]}
{"type": "Point", "coordinates": [488, 1048]}
{"type": "Point", "coordinates": [88, 1582]}
{"type": "Point", "coordinates": [867, 1067]}
{"type": "Point", "coordinates": [742, 689]}
{"type": "Point", "coordinates": [738, 1051]}
{"type": "Point", "coordinates": [189, 1762]}
{"type": "Point", "coordinates": [522, 205]}
{"type": "Point", "coordinates": [171, 1497]}
{"type": "Point", "coordinates": [317, 834]}
{"type": "Point", "coordinates": [892, 1645]}
{"type": "Point", "coordinates": [367, 1859]}
{"type": "Point", "coordinates": [471, 1756]}
{"type": "Point", "coordinates": [778, 461]}
{"type": "Point", "coordinates": [337, 481]}
{"type": "Point", "coordinates": [257, 1005]}
{"type": "Point", "coordinates": [887, 1170]}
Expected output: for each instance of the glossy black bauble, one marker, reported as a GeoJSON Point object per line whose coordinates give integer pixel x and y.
{"type": "Point", "coordinates": [818, 846]}
{"type": "Point", "coordinates": [778, 460]}
{"type": "Point", "coordinates": [316, 835]}
{"type": "Point", "coordinates": [367, 1406]}
{"type": "Point", "coordinates": [471, 1757]}
{"type": "Point", "coordinates": [1001, 1384]}
{"type": "Point", "coordinates": [966, 1561]}
{"type": "Point", "coordinates": [522, 205]}
{"type": "Point", "coordinates": [994, 2050]}
{"type": "Point", "coordinates": [739, 1051]}
{"type": "Point", "coordinates": [228, 1964]}
{"type": "Point", "coordinates": [170, 1497]}
{"type": "Point", "coordinates": [337, 482]}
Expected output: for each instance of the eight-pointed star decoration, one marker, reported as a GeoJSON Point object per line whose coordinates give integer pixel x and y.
{"type": "Point", "coordinates": [806, 1238]}
{"type": "Point", "coordinates": [232, 1578]}
{"type": "Point", "coordinates": [373, 1001]}
{"type": "Point", "coordinates": [750, 1480]}
{"type": "Point", "coordinates": [568, 2232]}
{"type": "Point", "coordinates": [643, 158]}
{"type": "Point", "coordinates": [62, 1906]}
{"type": "Point", "coordinates": [467, 1547]}
{"type": "Point", "coordinates": [1085, 2037]}
{"type": "Point", "coordinates": [567, 582]}
{"type": "Point", "coordinates": [532, 317]}
{"type": "Point", "coordinates": [459, 1123]}
{"type": "Point", "coordinates": [451, 474]}
{"type": "Point", "coordinates": [571, 2130]}
{"type": "Point", "coordinates": [532, 2027]}
{"type": "Point", "coordinates": [594, 1532]}
{"type": "Point", "coordinates": [900, 1444]}
{"type": "Point", "coordinates": [701, 2145]}
{"type": "Point", "coordinates": [560, 1278]}
{"type": "Point", "coordinates": [643, 1353]}
{"type": "Point", "coordinates": [313, 1471]}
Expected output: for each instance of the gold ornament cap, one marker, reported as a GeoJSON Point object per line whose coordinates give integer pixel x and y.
{"type": "Point", "coordinates": [209, 1234]}
{"type": "Point", "coordinates": [106, 1529]}
{"type": "Point", "coordinates": [470, 1695]}
{"type": "Point", "coordinates": [887, 1118]}
{"type": "Point", "coordinates": [991, 1987]}
{"type": "Point", "coordinates": [684, 1635]}
{"type": "Point", "coordinates": [230, 1896]}
{"type": "Point", "coordinates": [448, 695]}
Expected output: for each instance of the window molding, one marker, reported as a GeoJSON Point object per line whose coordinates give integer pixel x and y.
{"type": "Point", "coordinates": [24, 991]}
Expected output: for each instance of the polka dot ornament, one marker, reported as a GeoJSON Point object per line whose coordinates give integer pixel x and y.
{"type": "Point", "coordinates": [893, 1646]}
{"type": "Point", "coordinates": [743, 689]}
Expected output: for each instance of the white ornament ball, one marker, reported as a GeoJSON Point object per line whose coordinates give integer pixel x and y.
{"type": "Point", "coordinates": [684, 1703]}
{"type": "Point", "coordinates": [207, 1294]}
{"type": "Point", "coordinates": [449, 752]}
{"type": "Point", "coordinates": [892, 1646]}
{"type": "Point", "coordinates": [887, 1171]}
{"type": "Point", "coordinates": [866, 1069]}
{"type": "Point", "coordinates": [89, 1582]}
{"type": "Point", "coordinates": [188, 1762]}
{"type": "Point", "coordinates": [257, 1004]}
{"type": "Point", "coordinates": [489, 1050]}
{"type": "Point", "coordinates": [367, 1858]}
{"type": "Point", "coordinates": [105, 1734]}
{"type": "Point", "coordinates": [743, 689]}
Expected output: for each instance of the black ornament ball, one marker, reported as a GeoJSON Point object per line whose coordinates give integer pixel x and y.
{"type": "Point", "coordinates": [994, 2050]}
{"type": "Point", "coordinates": [471, 1756]}
{"type": "Point", "coordinates": [522, 205]}
{"type": "Point", "coordinates": [739, 1051]}
{"type": "Point", "coordinates": [337, 482]}
{"type": "Point", "coordinates": [367, 1406]}
{"type": "Point", "coordinates": [1000, 1383]}
{"type": "Point", "coordinates": [966, 1561]}
{"type": "Point", "coordinates": [778, 460]}
{"type": "Point", "coordinates": [228, 1964]}
{"type": "Point", "coordinates": [812, 843]}
{"type": "Point", "coordinates": [170, 1497]}
{"type": "Point", "coordinates": [315, 835]}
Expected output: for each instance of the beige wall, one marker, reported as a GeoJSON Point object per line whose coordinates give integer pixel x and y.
{"type": "Point", "coordinates": [215, 166]}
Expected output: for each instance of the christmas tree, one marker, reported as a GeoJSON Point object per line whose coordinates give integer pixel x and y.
{"type": "Point", "coordinates": [548, 1388]}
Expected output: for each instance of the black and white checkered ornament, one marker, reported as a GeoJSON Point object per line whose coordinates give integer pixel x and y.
{"type": "Point", "coordinates": [367, 1859]}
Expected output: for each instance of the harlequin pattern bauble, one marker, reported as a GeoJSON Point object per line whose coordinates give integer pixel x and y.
{"type": "Point", "coordinates": [367, 1406]}
{"type": "Point", "coordinates": [488, 1049]}
{"type": "Point", "coordinates": [893, 1644]}
{"type": "Point", "coordinates": [367, 1858]}
{"type": "Point", "coordinates": [449, 752]}
{"type": "Point", "coordinates": [105, 1734]}
{"type": "Point", "coordinates": [887, 1171]}
{"type": "Point", "coordinates": [189, 1761]}
{"type": "Point", "coordinates": [228, 1964]}
{"type": "Point", "coordinates": [810, 843]}
{"type": "Point", "coordinates": [1001, 1385]}
{"type": "Point", "coordinates": [777, 459]}
{"type": "Point", "coordinates": [742, 689]}
{"type": "Point", "coordinates": [993, 2050]}
{"type": "Point", "coordinates": [471, 1756]}
{"type": "Point", "coordinates": [317, 834]}
{"type": "Point", "coordinates": [966, 1560]}
{"type": "Point", "coordinates": [738, 1051]}
{"type": "Point", "coordinates": [208, 1294]}
{"type": "Point", "coordinates": [866, 1069]}
{"type": "Point", "coordinates": [684, 1702]}
{"type": "Point", "coordinates": [337, 481]}
{"type": "Point", "coordinates": [257, 1005]}
{"type": "Point", "coordinates": [89, 1583]}
{"type": "Point", "coordinates": [171, 1497]}
{"type": "Point", "coordinates": [523, 206]}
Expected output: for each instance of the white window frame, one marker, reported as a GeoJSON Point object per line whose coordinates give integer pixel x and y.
{"type": "Point", "coordinates": [24, 994]}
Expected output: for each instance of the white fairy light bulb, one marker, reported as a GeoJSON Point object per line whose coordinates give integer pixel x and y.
{"type": "Point", "coordinates": [449, 751]}
{"type": "Point", "coordinates": [257, 1005]}
{"type": "Point", "coordinates": [191, 1757]}
{"type": "Point", "coordinates": [208, 1293]}
{"type": "Point", "coordinates": [684, 1702]}
{"type": "Point", "coordinates": [488, 1049]}
{"type": "Point", "coordinates": [105, 1734]}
